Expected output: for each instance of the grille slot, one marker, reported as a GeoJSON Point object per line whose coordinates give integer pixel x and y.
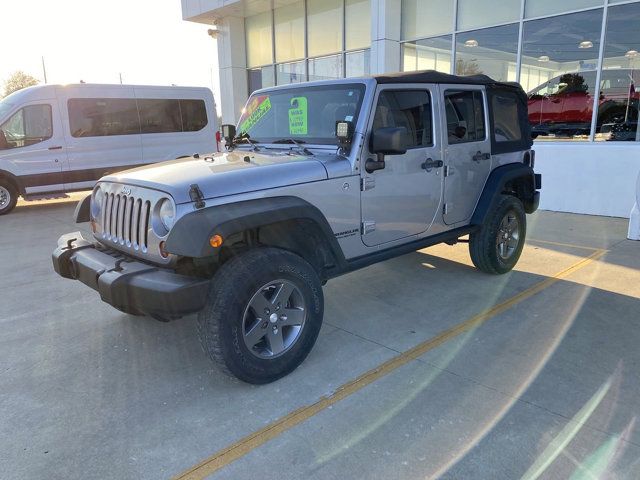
{"type": "Point", "coordinates": [125, 220]}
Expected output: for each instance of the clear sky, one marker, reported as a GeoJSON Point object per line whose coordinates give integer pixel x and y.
{"type": "Point", "coordinates": [96, 40]}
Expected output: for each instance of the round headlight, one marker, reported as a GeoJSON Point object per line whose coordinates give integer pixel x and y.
{"type": "Point", "coordinates": [167, 213]}
{"type": "Point", "coordinates": [96, 202]}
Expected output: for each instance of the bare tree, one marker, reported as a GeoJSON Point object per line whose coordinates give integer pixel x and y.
{"type": "Point", "coordinates": [17, 81]}
{"type": "Point", "coordinates": [468, 67]}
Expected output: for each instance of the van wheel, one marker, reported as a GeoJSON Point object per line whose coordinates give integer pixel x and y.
{"type": "Point", "coordinates": [263, 314]}
{"type": "Point", "coordinates": [8, 196]}
{"type": "Point", "coordinates": [497, 246]}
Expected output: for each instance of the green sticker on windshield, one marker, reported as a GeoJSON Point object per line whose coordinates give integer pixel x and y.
{"type": "Point", "coordinates": [256, 109]}
{"type": "Point", "coordinates": [298, 116]}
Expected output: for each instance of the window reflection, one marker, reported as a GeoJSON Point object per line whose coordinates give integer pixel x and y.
{"type": "Point", "coordinates": [357, 63]}
{"type": "Point", "coordinates": [619, 98]}
{"type": "Point", "coordinates": [559, 61]}
{"type": "Point", "coordinates": [290, 73]}
{"type": "Point", "coordinates": [325, 68]}
{"type": "Point", "coordinates": [428, 54]}
{"type": "Point", "coordinates": [491, 51]}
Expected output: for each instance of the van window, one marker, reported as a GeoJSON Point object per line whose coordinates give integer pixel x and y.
{"type": "Point", "coordinates": [465, 116]}
{"type": "Point", "coordinates": [101, 117]}
{"type": "Point", "coordinates": [406, 108]}
{"type": "Point", "coordinates": [98, 117]}
{"type": "Point", "coordinates": [194, 115]}
{"type": "Point", "coordinates": [506, 123]}
{"type": "Point", "coordinates": [159, 115]}
{"type": "Point", "coordinates": [28, 126]}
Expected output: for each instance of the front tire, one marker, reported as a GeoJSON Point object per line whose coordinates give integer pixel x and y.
{"type": "Point", "coordinates": [263, 315]}
{"type": "Point", "coordinates": [497, 246]}
{"type": "Point", "coordinates": [8, 196]}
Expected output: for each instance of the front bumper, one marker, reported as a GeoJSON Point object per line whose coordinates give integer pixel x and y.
{"type": "Point", "coordinates": [126, 284]}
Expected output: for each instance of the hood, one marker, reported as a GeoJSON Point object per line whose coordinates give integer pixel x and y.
{"type": "Point", "coordinates": [231, 173]}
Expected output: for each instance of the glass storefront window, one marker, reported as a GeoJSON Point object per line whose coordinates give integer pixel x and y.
{"type": "Point", "coordinates": [293, 72]}
{"type": "Point", "coordinates": [259, 39]}
{"type": "Point", "coordinates": [424, 19]}
{"type": "Point", "coordinates": [562, 54]}
{"type": "Point", "coordinates": [429, 54]}
{"type": "Point", "coordinates": [357, 63]}
{"type": "Point", "coordinates": [324, 26]}
{"type": "Point", "coordinates": [617, 118]}
{"type": "Point", "coordinates": [261, 78]}
{"type": "Point", "coordinates": [289, 31]}
{"type": "Point", "coordinates": [492, 51]}
{"type": "Point", "coordinates": [483, 13]}
{"type": "Point", "coordinates": [325, 68]}
{"type": "Point", "coordinates": [537, 8]}
{"type": "Point", "coordinates": [357, 24]}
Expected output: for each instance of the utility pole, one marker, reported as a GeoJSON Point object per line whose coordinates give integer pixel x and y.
{"type": "Point", "coordinates": [120, 78]}
{"type": "Point", "coordinates": [44, 70]}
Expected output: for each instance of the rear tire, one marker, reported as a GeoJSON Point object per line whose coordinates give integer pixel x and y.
{"type": "Point", "coordinates": [497, 246]}
{"type": "Point", "coordinates": [262, 316]}
{"type": "Point", "coordinates": [8, 196]}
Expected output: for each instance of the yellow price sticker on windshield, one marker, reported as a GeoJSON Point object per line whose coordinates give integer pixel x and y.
{"type": "Point", "coordinates": [298, 116]}
{"type": "Point", "coordinates": [257, 109]}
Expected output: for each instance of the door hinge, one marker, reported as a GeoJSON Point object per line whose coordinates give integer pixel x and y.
{"type": "Point", "coordinates": [367, 183]}
{"type": "Point", "coordinates": [445, 208]}
{"type": "Point", "coordinates": [368, 226]}
{"type": "Point", "coordinates": [446, 171]}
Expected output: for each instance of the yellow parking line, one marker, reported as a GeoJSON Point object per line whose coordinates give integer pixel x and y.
{"type": "Point", "coordinates": [562, 244]}
{"type": "Point", "coordinates": [254, 440]}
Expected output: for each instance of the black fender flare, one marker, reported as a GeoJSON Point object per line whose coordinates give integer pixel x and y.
{"type": "Point", "coordinates": [496, 183]}
{"type": "Point", "coordinates": [82, 212]}
{"type": "Point", "coordinates": [190, 235]}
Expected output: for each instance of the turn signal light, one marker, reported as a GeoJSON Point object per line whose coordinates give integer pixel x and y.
{"type": "Point", "coordinates": [215, 241]}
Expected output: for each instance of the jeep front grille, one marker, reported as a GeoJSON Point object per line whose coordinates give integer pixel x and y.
{"type": "Point", "coordinates": [125, 220]}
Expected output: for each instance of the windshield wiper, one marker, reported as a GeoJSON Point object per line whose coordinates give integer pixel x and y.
{"type": "Point", "coordinates": [245, 138]}
{"type": "Point", "coordinates": [298, 143]}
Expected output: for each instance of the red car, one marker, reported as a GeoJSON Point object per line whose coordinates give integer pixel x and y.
{"type": "Point", "coordinates": [563, 106]}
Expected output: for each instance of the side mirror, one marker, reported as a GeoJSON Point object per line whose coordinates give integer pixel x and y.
{"type": "Point", "coordinates": [228, 133]}
{"type": "Point", "coordinates": [389, 141]}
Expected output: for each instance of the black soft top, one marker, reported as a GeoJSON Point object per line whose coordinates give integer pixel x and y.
{"type": "Point", "coordinates": [431, 76]}
{"type": "Point", "coordinates": [498, 94]}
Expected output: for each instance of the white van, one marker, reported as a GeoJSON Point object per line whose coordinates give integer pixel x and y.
{"type": "Point", "coordinates": [60, 138]}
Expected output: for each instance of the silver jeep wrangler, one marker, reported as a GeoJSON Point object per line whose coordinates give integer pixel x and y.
{"type": "Point", "coordinates": [321, 179]}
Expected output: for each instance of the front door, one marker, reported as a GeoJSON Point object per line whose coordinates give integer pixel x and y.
{"type": "Point", "coordinates": [468, 150]}
{"type": "Point", "coordinates": [33, 147]}
{"type": "Point", "coordinates": [402, 199]}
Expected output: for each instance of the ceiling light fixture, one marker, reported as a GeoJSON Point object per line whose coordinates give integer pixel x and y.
{"type": "Point", "coordinates": [543, 58]}
{"type": "Point", "coordinates": [631, 54]}
{"type": "Point", "coordinates": [586, 44]}
{"type": "Point", "coordinates": [471, 43]}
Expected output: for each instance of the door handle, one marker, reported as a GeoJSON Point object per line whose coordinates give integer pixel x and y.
{"type": "Point", "coordinates": [371, 165]}
{"type": "Point", "coordinates": [57, 147]}
{"type": "Point", "coordinates": [481, 156]}
{"type": "Point", "coordinates": [431, 163]}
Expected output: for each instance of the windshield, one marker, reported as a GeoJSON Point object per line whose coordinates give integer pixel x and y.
{"type": "Point", "coordinates": [5, 107]}
{"type": "Point", "coordinates": [306, 115]}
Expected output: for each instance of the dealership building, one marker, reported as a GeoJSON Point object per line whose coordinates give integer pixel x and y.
{"type": "Point", "coordinates": [577, 59]}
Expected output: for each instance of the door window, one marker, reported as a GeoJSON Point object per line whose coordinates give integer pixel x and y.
{"type": "Point", "coordinates": [28, 126]}
{"type": "Point", "coordinates": [100, 117]}
{"type": "Point", "coordinates": [406, 108]}
{"type": "Point", "coordinates": [465, 116]}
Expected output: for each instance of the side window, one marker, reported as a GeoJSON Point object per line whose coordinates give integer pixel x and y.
{"type": "Point", "coordinates": [406, 108]}
{"type": "Point", "coordinates": [465, 116]}
{"type": "Point", "coordinates": [28, 126]}
{"type": "Point", "coordinates": [505, 117]}
{"type": "Point", "coordinates": [100, 117]}
{"type": "Point", "coordinates": [159, 116]}
{"type": "Point", "coordinates": [194, 115]}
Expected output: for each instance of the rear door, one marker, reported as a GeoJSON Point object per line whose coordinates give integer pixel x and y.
{"type": "Point", "coordinates": [403, 199]}
{"type": "Point", "coordinates": [467, 150]}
